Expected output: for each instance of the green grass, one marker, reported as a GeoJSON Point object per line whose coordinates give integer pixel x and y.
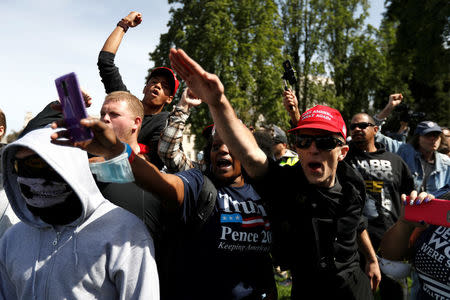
{"type": "Point", "coordinates": [284, 292]}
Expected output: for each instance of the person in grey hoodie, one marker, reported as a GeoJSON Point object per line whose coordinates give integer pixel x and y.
{"type": "Point", "coordinates": [72, 243]}
{"type": "Point", "coordinates": [7, 216]}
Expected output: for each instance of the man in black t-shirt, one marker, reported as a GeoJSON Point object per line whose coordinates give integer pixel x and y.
{"type": "Point", "coordinates": [161, 87]}
{"type": "Point", "coordinates": [386, 176]}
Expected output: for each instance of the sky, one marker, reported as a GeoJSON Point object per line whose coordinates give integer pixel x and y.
{"type": "Point", "coordinates": [45, 39]}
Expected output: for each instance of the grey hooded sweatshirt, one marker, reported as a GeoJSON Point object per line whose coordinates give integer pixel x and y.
{"type": "Point", "coordinates": [107, 253]}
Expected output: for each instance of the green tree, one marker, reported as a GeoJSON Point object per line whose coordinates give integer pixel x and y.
{"type": "Point", "coordinates": [352, 54]}
{"type": "Point", "coordinates": [241, 42]}
{"type": "Point", "coordinates": [421, 53]}
{"type": "Point", "coordinates": [302, 26]}
{"type": "Point", "coordinates": [329, 39]}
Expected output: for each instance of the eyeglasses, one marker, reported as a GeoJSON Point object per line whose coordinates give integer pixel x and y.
{"type": "Point", "coordinates": [327, 143]}
{"type": "Point", "coordinates": [361, 125]}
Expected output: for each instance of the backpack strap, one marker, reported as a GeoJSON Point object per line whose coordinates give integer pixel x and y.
{"type": "Point", "coordinates": [205, 203]}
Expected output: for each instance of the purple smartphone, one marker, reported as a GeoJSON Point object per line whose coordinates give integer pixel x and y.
{"type": "Point", "coordinates": [73, 107]}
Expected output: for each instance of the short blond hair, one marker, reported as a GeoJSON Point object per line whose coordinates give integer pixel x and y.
{"type": "Point", "coordinates": [134, 104]}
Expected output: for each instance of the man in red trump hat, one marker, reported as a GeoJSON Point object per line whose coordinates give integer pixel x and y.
{"type": "Point", "coordinates": [315, 206]}
{"type": "Point", "coordinates": [318, 201]}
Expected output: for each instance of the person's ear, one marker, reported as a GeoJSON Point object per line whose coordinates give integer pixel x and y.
{"type": "Point", "coordinates": [343, 154]}
{"type": "Point", "coordinates": [137, 123]}
{"type": "Point", "coordinates": [169, 99]}
{"type": "Point", "coordinates": [375, 129]}
{"type": "Point", "coordinates": [2, 132]}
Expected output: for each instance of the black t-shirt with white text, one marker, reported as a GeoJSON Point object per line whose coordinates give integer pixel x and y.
{"type": "Point", "coordinates": [386, 177]}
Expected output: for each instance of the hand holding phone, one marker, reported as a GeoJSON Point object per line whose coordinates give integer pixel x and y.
{"type": "Point", "coordinates": [73, 107]}
{"type": "Point", "coordinates": [436, 212]}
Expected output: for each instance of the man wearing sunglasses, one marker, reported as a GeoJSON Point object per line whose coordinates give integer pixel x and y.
{"type": "Point", "coordinates": [320, 200]}
{"type": "Point", "coordinates": [386, 176]}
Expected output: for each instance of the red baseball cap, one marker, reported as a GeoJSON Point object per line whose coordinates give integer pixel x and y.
{"type": "Point", "coordinates": [322, 117]}
{"type": "Point", "coordinates": [169, 74]}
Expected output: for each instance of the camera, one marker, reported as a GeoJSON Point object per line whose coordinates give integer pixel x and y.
{"type": "Point", "coordinates": [289, 74]}
{"type": "Point", "coordinates": [407, 115]}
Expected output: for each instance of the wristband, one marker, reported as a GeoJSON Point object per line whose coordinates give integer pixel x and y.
{"type": "Point", "coordinates": [117, 169]}
{"type": "Point", "coordinates": [130, 152]}
{"type": "Point", "coordinates": [123, 24]}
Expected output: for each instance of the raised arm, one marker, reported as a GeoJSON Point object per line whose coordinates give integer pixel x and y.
{"type": "Point", "coordinates": [109, 73]}
{"type": "Point", "coordinates": [290, 103]}
{"type": "Point", "coordinates": [236, 135]}
{"type": "Point", "coordinates": [169, 148]}
{"type": "Point", "coordinates": [394, 100]}
{"type": "Point", "coordinates": [115, 38]}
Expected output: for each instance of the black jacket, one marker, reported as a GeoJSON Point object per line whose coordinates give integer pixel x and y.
{"type": "Point", "coordinates": [315, 230]}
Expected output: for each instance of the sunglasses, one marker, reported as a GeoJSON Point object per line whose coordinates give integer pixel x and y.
{"type": "Point", "coordinates": [362, 125]}
{"type": "Point", "coordinates": [327, 143]}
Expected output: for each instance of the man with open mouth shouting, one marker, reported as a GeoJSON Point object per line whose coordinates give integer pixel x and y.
{"type": "Point", "coordinates": [318, 201]}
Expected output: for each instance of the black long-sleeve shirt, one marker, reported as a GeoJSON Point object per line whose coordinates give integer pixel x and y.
{"type": "Point", "coordinates": [315, 229]}
{"type": "Point", "coordinates": [152, 125]}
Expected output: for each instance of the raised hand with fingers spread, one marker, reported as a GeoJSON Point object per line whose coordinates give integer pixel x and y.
{"type": "Point", "coordinates": [206, 86]}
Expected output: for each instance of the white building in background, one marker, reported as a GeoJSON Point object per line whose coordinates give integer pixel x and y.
{"type": "Point", "coordinates": [27, 118]}
{"type": "Point", "coordinates": [188, 143]}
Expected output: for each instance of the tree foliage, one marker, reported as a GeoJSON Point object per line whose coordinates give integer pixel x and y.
{"type": "Point", "coordinates": [420, 54]}
{"type": "Point", "coordinates": [241, 42]}
{"type": "Point", "coordinates": [328, 39]}
{"type": "Point", "coordinates": [302, 26]}
{"type": "Point", "coordinates": [340, 61]}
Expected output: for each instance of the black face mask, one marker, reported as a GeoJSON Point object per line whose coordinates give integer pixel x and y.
{"type": "Point", "coordinates": [40, 183]}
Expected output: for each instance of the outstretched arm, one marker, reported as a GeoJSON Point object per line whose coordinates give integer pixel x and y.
{"type": "Point", "coordinates": [105, 143]}
{"type": "Point", "coordinates": [236, 136]}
